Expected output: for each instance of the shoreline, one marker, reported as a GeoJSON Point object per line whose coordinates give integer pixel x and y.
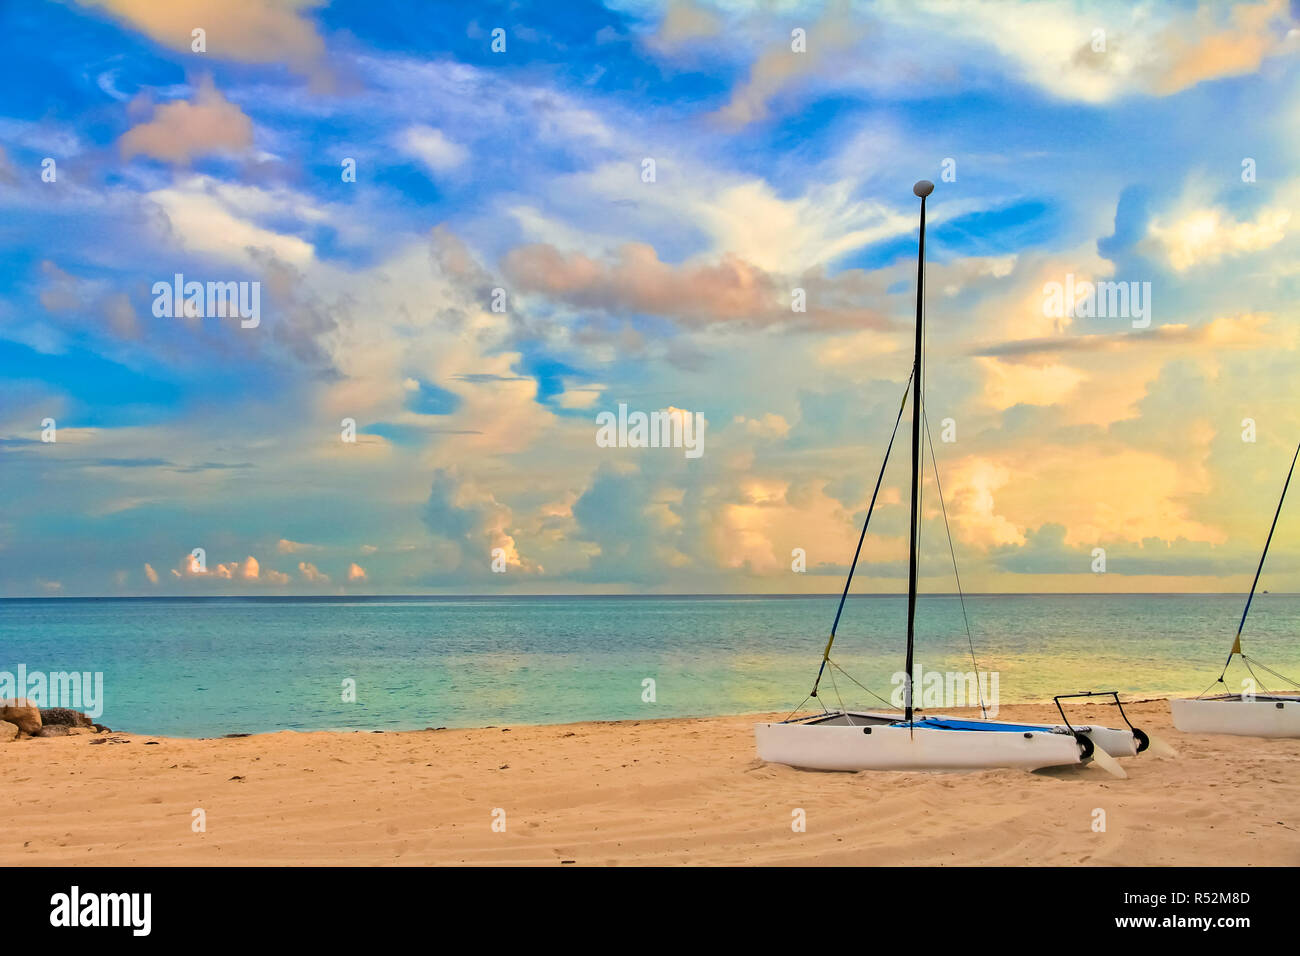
{"type": "Point", "coordinates": [661, 791]}
{"type": "Point", "coordinates": [965, 711]}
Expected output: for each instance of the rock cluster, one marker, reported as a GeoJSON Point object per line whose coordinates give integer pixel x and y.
{"type": "Point", "coordinates": [20, 719]}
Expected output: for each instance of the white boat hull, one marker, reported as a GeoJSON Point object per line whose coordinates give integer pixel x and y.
{"type": "Point", "coordinates": [1116, 742]}
{"type": "Point", "coordinates": [880, 746]}
{"type": "Point", "coordinates": [1276, 716]}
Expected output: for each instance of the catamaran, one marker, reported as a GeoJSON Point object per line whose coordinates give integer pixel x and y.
{"type": "Point", "coordinates": [861, 740]}
{"type": "Point", "coordinates": [1249, 713]}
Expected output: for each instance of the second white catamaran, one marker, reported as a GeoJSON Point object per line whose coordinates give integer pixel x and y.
{"type": "Point", "coordinates": [848, 740]}
{"type": "Point", "coordinates": [1253, 713]}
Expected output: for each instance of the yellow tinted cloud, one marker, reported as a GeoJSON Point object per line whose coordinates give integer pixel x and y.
{"type": "Point", "coordinates": [1240, 48]}
{"type": "Point", "coordinates": [1208, 235]}
{"type": "Point", "coordinates": [1100, 493]}
{"type": "Point", "coordinates": [1007, 383]}
{"type": "Point", "coordinates": [971, 504]}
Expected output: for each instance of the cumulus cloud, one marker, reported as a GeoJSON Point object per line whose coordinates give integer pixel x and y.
{"type": "Point", "coordinates": [1110, 50]}
{"type": "Point", "coordinates": [285, 546]}
{"type": "Point", "coordinates": [659, 524]}
{"type": "Point", "coordinates": [150, 573]}
{"type": "Point", "coordinates": [1206, 48]}
{"type": "Point", "coordinates": [182, 130]}
{"type": "Point", "coordinates": [224, 220]}
{"type": "Point", "coordinates": [777, 231]}
{"type": "Point", "coordinates": [1203, 236]}
{"type": "Point", "coordinates": [356, 572]}
{"type": "Point", "coordinates": [729, 291]}
{"type": "Point", "coordinates": [1114, 49]}
{"type": "Point", "coordinates": [247, 572]}
{"type": "Point", "coordinates": [89, 303]}
{"type": "Point", "coordinates": [638, 281]}
{"type": "Point", "coordinates": [617, 516]}
{"type": "Point", "coordinates": [1007, 384]}
{"type": "Point", "coordinates": [432, 148]}
{"type": "Point", "coordinates": [478, 527]}
{"type": "Point", "coordinates": [766, 426]}
{"type": "Point", "coordinates": [724, 240]}
{"type": "Point", "coordinates": [779, 65]}
{"type": "Point", "coordinates": [1120, 494]}
{"type": "Point", "coordinates": [684, 22]}
{"type": "Point", "coordinates": [253, 31]}
{"type": "Point", "coordinates": [971, 489]}
{"type": "Point", "coordinates": [311, 573]}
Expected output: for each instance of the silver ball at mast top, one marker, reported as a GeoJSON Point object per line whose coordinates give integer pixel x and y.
{"type": "Point", "coordinates": [923, 188]}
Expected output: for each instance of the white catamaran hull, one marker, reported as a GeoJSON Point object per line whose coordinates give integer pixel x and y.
{"type": "Point", "coordinates": [1274, 716]}
{"type": "Point", "coordinates": [884, 747]}
{"type": "Point", "coordinates": [1116, 742]}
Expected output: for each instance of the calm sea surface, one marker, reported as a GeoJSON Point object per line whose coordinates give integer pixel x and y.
{"type": "Point", "coordinates": [211, 666]}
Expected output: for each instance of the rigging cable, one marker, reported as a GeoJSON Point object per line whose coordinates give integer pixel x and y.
{"type": "Point", "coordinates": [826, 654]}
{"type": "Point", "coordinates": [836, 667]}
{"type": "Point", "coordinates": [1265, 667]}
{"type": "Point", "coordinates": [844, 710]}
{"type": "Point", "coordinates": [1236, 644]}
{"type": "Point", "coordinates": [970, 641]}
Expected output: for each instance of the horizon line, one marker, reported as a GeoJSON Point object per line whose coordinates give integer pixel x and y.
{"type": "Point", "coordinates": [658, 594]}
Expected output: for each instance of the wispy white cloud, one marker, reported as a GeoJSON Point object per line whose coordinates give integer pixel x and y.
{"type": "Point", "coordinates": [432, 148]}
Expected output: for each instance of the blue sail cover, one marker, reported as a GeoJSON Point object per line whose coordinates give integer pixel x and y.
{"type": "Point", "coordinates": [944, 723]}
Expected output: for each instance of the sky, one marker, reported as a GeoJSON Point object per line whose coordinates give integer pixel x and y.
{"type": "Point", "coordinates": [466, 232]}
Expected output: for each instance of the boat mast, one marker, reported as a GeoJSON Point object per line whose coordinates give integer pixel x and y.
{"type": "Point", "coordinates": [1236, 644]}
{"type": "Point", "coordinates": [921, 189]}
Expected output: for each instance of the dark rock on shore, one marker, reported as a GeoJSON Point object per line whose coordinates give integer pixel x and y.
{"type": "Point", "coordinates": [21, 719]}
{"type": "Point", "coordinates": [65, 716]}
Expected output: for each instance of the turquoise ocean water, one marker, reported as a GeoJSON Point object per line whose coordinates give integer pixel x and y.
{"type": "Point", "coordinates": [206, 667]}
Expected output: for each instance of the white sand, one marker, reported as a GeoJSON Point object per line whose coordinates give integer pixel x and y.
{"type": "Point", "coordinates": [651, 792]}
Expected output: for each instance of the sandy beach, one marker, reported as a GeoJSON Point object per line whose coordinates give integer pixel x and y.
{"type": "Point", "coordinates": [656, 792]}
